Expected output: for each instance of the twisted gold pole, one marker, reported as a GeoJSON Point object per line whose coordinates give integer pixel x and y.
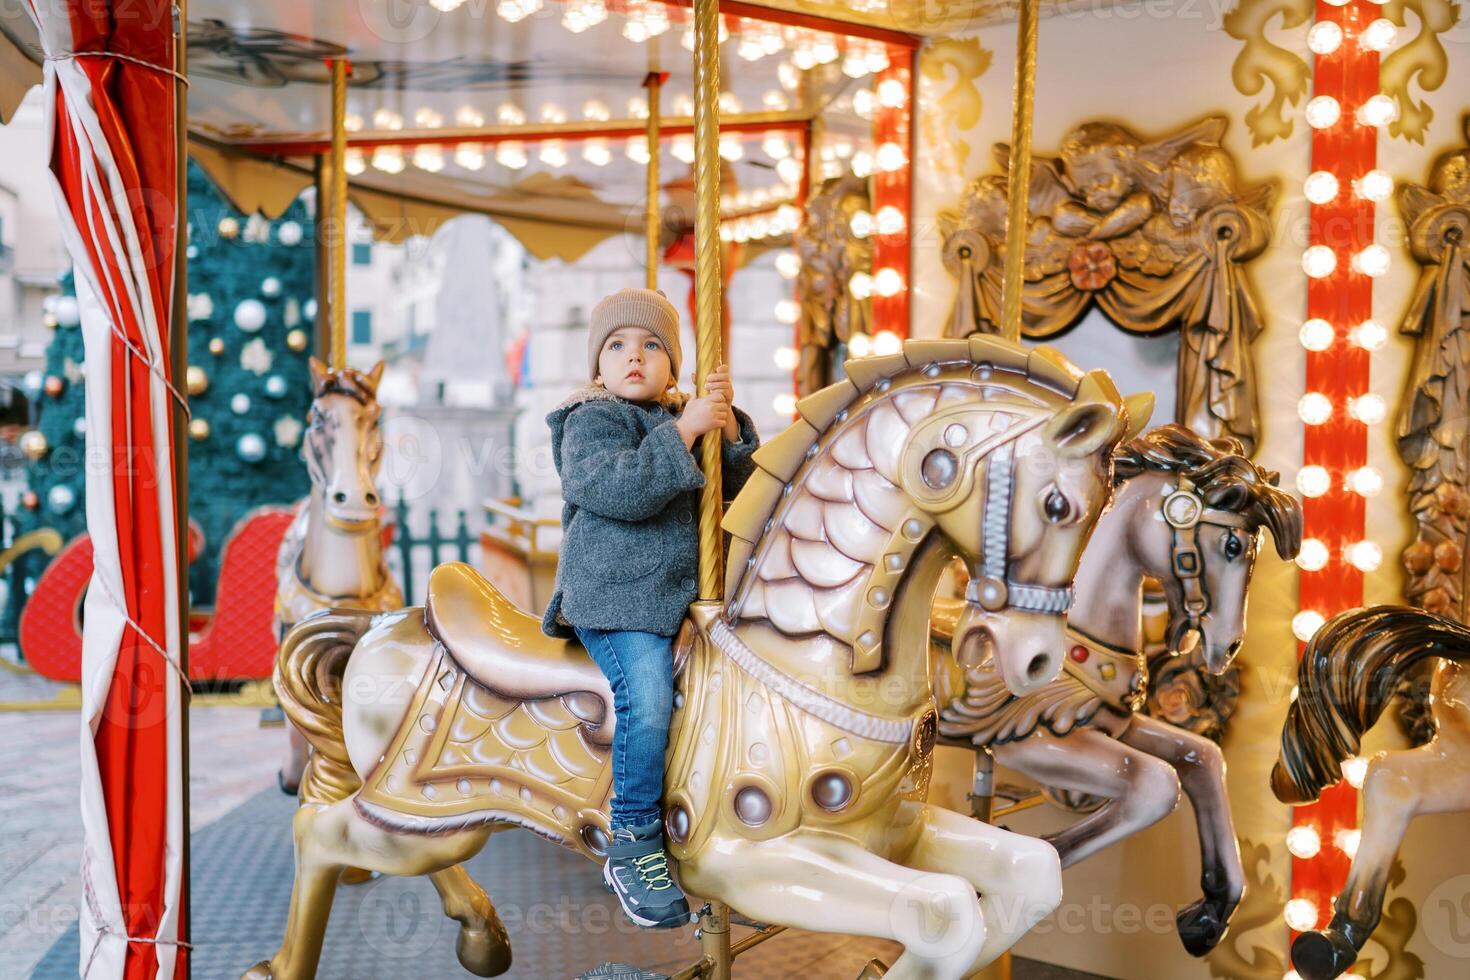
{"type": "Point", "coordinates": [652, 221]}
{"type": "Point", "coordinates": [1018, 181]}
{"type": "Point", "coordinates": [336, 214]}
{"type": "Point", "coordinates": [707, 280]}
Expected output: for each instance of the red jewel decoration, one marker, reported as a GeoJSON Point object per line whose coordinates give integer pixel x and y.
{"type": "Point", "coordinates": [1079, 653]}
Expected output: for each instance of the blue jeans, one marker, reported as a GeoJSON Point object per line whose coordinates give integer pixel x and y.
{"type": "Point", "coordinates": [640, 668]}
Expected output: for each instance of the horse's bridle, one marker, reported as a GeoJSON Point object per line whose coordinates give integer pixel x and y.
{"type": "Point", "coordinates": [1184, 510]}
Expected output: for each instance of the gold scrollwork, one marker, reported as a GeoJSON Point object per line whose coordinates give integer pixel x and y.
{"type": "Point", "coordinates": [960, 62]}
{"type": "Point", "coordinates": [1423, 59]}
{"type": "Point", "coordinates": [1263, 63]}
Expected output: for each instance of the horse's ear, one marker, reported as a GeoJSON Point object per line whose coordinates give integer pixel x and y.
{"type": "Point", "coordinates": [1084, 428]}
{"type": "Point", "coordinates": [376, 375]}
{"type": "Point", "coordinates": [318, 372]}
{"type": "Point", "coordinates": [1140, 409]}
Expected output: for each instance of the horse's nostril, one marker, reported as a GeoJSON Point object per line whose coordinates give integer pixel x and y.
{"type": "Point", "coordinates": [1037, 669]}
{"type": "Point", "coordinates": [1234, 648]}
{"type": "Point", "coordinates": [372, 498]}
{"type": "Point", "coordinates": [340, 497]}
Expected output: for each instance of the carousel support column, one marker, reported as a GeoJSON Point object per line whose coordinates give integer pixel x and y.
{"type": "Point", "coordinates": [322, 326]}
{"type": "Point", "coordinates": [652, 220]}
{"type": "Point", "coordinates": [1019, 176]}
{"type": "Point", "coordinates": [337, 217]}
{"type": "Point", "coordinates": [178, 346]}
{"type": "Point", "coordinates": [714, 926]}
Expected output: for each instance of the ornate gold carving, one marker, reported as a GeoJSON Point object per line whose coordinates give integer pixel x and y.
{"type": "Point", "coordinates": [960, 62]}
{"type": "Point", "coordinates": [1422, 59]}
{"type": "Point", "coordinates": [1261, 909]}
{"type": "Point", "coordinates": [1262, 63]}
{"type": "Point", "coordinates": [1153, 232]}
{"type": "Point", "coordinates": [1436, 402]}
{"type": "Point", "coordinates": [830, 254]}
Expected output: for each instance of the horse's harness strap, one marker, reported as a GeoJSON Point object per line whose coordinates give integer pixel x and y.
{"type": "Point", "coordinates": [1184, 511]}
{"type": "Point", "coordinates": [804, 696]}
{"type": "Point", "coordinates": [995, 590]}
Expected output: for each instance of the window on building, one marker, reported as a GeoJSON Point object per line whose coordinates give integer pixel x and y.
{"type": "Point", "coordinates": [362, 326]}
{"type": "Point", "coordinates": [362, 253]}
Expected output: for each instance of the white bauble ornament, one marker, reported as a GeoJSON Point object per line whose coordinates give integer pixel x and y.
{"type": "Point", "coordinates": [308, 309]}
{"type": "Point", "coordinates": [250, 447]}
{"type": "Point", "coordinates": [240, 403]}
{"type": "Point", "coordinates": [270, 286]}
{"type": "Point", "coordinates": [68, 314]}
{"type": "Point", "coordinates": [79, 425]}
{"type": "Point", "coordinates": [275, 386]}
{"type": "Point", "coordinates": [289, 233]}
{"type": "Point", "coordinates": [250, 315]}
{"type": "Point", "coordinates": [61, 498]}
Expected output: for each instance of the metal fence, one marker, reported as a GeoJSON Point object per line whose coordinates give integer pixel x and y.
{"type": "Point", "coordinates": [419, 545]}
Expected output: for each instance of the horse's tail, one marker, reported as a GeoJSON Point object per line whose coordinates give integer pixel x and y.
{"type": "Point", "coordinates": [1348, 674]}
{"type": "Point", "coordinates": [308, 680]}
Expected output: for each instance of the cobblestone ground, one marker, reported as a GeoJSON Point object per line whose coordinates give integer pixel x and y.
{"type": "Point", "coordinates": [40, 820]}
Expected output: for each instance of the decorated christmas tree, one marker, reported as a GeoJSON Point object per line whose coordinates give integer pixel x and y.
{"type": "Point", "coordinates": [250, 311]}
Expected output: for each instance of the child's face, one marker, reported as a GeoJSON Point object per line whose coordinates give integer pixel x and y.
{"type": "Point", "coordinates": [633, 364]}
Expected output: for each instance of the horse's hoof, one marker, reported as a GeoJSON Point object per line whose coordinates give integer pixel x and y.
{"type": "Point", "coordinates": [260, 971]}
{"type": "Point", "coordinates": [483, 952]}
{"type": "Point", "coordinates": [1202, 925]}
{"type": "Point", "coordinates": [356, 876]}
{"type": "Point", "coordinates": [290, 789]}
{"type": "Point", "coordinates": [1323, 954]}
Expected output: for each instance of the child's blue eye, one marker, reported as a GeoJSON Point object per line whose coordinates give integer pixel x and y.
{"type": "Point", "coordinates": [651, 345]}
{"type": "Point", "coordinates": [615, 345]}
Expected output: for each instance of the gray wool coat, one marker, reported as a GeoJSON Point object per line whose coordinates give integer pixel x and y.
{"type": "Point", "coordinates": [630, 517]}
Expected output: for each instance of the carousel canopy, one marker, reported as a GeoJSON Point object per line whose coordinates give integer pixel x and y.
{"type": "Point", "coordinates": [530, 111]}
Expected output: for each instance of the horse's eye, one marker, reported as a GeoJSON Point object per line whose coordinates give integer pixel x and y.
{"type": "Point", "coordinates": [1234, 547]}
{"type": "Point", "coordinates": [1058, 508]}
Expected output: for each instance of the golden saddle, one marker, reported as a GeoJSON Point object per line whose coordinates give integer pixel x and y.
{"type": "Point", "coordinates": [502, 648]}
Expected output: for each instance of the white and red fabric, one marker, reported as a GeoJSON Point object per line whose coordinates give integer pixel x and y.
{"type": "Point", "coordinates": [109, 102]}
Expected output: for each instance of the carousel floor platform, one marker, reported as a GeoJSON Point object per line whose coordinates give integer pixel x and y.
{"type": "Point", "coordinates": [561, 921]}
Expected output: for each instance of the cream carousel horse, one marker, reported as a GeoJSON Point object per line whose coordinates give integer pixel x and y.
{"type": "Point", "coordinates": [1187, 512]}
{"type": "Point", "coordinates": [801, 743]}
{"type": "Point", "coordinates": [332, 554]}
{"type": "Point", "coordinates": [1348, 675]}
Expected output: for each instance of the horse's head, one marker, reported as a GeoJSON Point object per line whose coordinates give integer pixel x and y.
{"type": "Point", "coordinates": [343, 445]}
{"type": "Point", "coordinates": [1197, 530]}
{"type": "Point", "coordinates": [1017, 487]}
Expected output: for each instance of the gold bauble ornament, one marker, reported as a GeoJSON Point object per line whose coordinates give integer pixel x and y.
{"type": "Point", "coordinates": [217, 346]}
{"type": "Point", "coordinates": [49, 319]}
{"type": "Point", "coordinates": [53, 386]}
{"type": "Point", "coordinates": [228, 227]}
{"type": "Point", "coordinates": [197, 380]}
{"type": "Point", "coordinates": [198, 429]}
{"type": "Point", "coordinates": [296, 340]}
{"type": "Point", "coordinates": [30, 500]}
{"type": "Point", "coordinates": [34, 444]}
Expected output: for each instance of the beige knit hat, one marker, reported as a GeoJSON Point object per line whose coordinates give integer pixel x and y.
{"type": "Point", "coordinates": [646, 308]}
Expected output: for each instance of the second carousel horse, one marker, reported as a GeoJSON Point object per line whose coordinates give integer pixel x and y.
{"type": "Point", "coordinates": [1188, 513]}
{"type": "Point", "coordinates": [1349, 673]}
{"type": "Point", "coordinates": [804, 724]}
{"type": "Point", "coordinates": [332, 554]}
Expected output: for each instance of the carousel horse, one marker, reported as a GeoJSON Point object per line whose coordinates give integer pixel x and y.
{"type": "Point", "coordinates": [1351, 670]}
{"type": "Point", "coordinates": [1187, 513]}
{"type": "Point", "coordinates": [332, 554]}
{"type": "Point", "coordinates": [801, 743]}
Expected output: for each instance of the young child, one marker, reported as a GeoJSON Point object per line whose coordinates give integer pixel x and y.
{"type": "Point", "coordinates": [630, 556]}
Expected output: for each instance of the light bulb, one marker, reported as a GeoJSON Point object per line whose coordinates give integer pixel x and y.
{"type": "Point", "coordinates": [888, 282]}
{"type": "Point", "coordinates": [1339, 3]}
{"type": "Point", "coordinates": [788, 264]}
{"type": "Point", "coordinates": [784, 404]}
{"type": "Point", "coordinates": [878, 56]}
{"type": "Point", "coordinates": [1369, 335]}
{"type": "Point", "coordinates": [388, 159]}
{"type": "Point", "coordinates": [1320, 186]}
{"type": "Point", "coordinates": [776, 101]}
{"type": "Point", "coordinates": [469, 117]}
{"type": "Point", "coordinates": [1354, 769]}
{"type": "Point", "coordinates": [1368, 409]}
{"type": "Point", "coordinates": [860, 285]}
{"type": "Point", "coordinates": [512, 11]}
{"type": "Point", "coordinates": [1347, 841]}
{"type": "Point", "coordinates": [1319, 261]}
{"type": "Point", "coordinates": [595, 152]}
{"type": "Point", "coordinates": [683, 148]}
{"type": "Point", "coordinates": [1378, 110]}
{"type": "Point", "coordinates": [1312, 556]}
{"type": "Point", "coordinates": [511, 154]}
{"type": "Point", "coordinates": [854, 65]}
{"type": "Point", "coordinates": [787, 358]}
{"type": "Point", "coordinates": [429, 158]}
{"type": "Point", "coordinates": [656, 19]}
{"type": "Point", "coordinates": [864, 102]}
{"type": "Point", "coordinates": [788, 75]}
{"type": "Point", "coordinates": [1313, 481]}
{"type": "Point", "coordinates": [427, 118]}
{"type": "Point", "coordinates": [859, 345]}
{"type": "Point", "coordinates": [1301, 914]}
{"type": "Point", "coordinates": [1365, 556]}
{"type": "Point", "coordinates": [886, 342]}
{"type": "Point", "coordinates": [1316, 334]}
{"type": "Point", "coordinates": [635, 31]}
{"type": "Point", "coordinates": [1379, 35]}
{"type": "Point", "coordinates": [1323, 112]}
{"type": "Point", "coordinates": [789, 170]}
{"type": "Point", "coordinates": [1325, 37]}
{"type": "Point", "coordinates": [471, 156]}
{"type": "Point", "coordinates": [553, 153]}
{"type": "Point", "coordinates": [638, 107]}
{"type": "Point", "coordinates": [731, 148]}
{"type": "Point", "coordinates": [1303, 841]}
{"type": "Point", "coordinates": [1314, 408]}
{"type": "Point", "coordinates": [861, 224]}
{"type": "Point", "coordinates": [637, 149]}
{"type": "Point", "coordinates": [889, 220]}
{"type": "Point", "coordinates": [862, 164]}
{"type": "Point", "coordinates": [352, 122]}
{"type": "Point", "coordinates": [771, 39]}
{"type": "Point", "coordinates": [596, 110]}
{"type": "Point", "coordinates": [553, 113]}
{"type": "Point", "coordinates": [510, 115]}
{"type": "Point", "coordinates": [354, 162]}
{"type": "Point", "coordinates": [1365, 481]}
{"type": "Point", "coordinates": [775, 146]}
{"type": "Point", "coordinates": [892, 94]}
{"type": "Point", "coordinates": [1305, 624]}
{"type": "Point", "coordinates": [1373, 260]}
{"type": "Point", "coordinates": [890, 157]}
{"type": "Point", "coordinates": [825, 49]}
{"type": "Point", "coordinates": [583, 14]}
{"type": "Point", "coordinates": [787, 311]}
{"type": "Point", "coordinates": [1375, 185]}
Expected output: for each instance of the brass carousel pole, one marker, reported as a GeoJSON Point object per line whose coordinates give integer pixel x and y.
{"type": "Point", "coordinates": [1019, 178]}
{"type": "Point", "coordinates": [714, 925]}
{"type": "Point", "coordinates": [336, 223]}
{"type": "Point", "coordinates": [652, 221]}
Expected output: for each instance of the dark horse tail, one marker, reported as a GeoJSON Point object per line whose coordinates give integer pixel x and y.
{"type": "Point", "coordinates": [1347, 676]}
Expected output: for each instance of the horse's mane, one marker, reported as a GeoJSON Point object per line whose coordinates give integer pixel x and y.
{"type": "Point", "coordinates": [1221, 472]}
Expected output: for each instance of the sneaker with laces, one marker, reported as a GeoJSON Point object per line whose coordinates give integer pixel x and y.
{"type": "Point", "coordinates": [637, 872]}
